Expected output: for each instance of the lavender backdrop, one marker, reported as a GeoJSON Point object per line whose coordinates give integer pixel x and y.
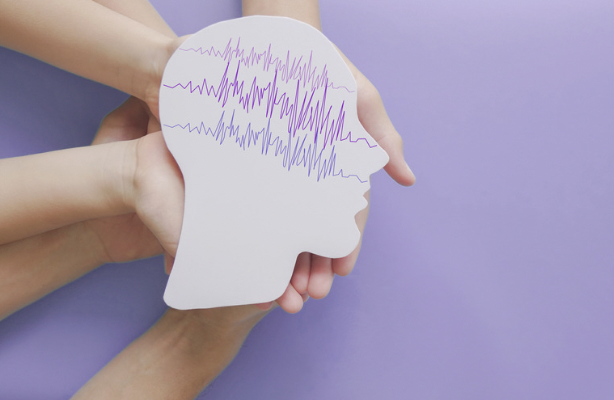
{"type": "Point", "coordinates": [490, 279]}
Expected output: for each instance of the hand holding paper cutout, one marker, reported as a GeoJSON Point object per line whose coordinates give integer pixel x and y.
{"type": "Point", "coordinates": [124, 237]}
{"type": "Point", "coordinates": [260, 114]}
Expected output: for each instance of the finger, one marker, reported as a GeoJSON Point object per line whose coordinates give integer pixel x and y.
{"type": "Point", "coordinates": [343, 266]}
{"type": "Point", "coordinates": [373, 117]}
{"type": "Point", "coordinates": [160, 191]}
{"type": "Point", "coordinates": [321, 276]}
{"type": "Point", "coordinates": [300, 276]}
{"type": "Point", "coordinates": [128, 121]}
{"type": "Point", "coordinates": [291, 301]}
{"type": "Point", "coordinates": [152, 93]}
{"type": "Point", "coordinates": [153, 125]}
{"type": "Point", "coordinates": [168, 263]}
{"type": "Point", "coordinates": [265, 306]}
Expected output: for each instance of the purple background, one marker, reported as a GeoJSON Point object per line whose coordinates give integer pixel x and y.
{"type": "Point", "coordinates": [490, 279]}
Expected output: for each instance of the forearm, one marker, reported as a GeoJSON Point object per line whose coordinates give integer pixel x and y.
{"type": "Point", "coordinates": [42, 192]}
{"type": "Point", "coordinates": [87, 39]}
{"type": "Point", "coordinates": [177, 358]}
{"type": "Point", "coordinates": [33, 267]}
{"type": "Point", "coordinates": [141, 11]}
{"type": "Point", "coordinates": [303, 10]}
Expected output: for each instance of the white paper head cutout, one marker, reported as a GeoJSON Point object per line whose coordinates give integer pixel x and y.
{"type": "Point", "coordinates": [260, 115]}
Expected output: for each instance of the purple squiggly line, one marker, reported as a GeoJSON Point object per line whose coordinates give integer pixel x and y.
{"type": "Point", "coordinates": [294, 151]}
{"type": "Point", "coordinates": [290, 69]}
{"type": "Point", "coordinates": [317, 118]}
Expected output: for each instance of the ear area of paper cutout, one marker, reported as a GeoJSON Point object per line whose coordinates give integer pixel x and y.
{"type": "Point", "coordinates": [260, 115]}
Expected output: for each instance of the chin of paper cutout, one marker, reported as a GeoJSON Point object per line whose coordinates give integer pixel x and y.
{"type": "Point", "coordinates": [260, 114]}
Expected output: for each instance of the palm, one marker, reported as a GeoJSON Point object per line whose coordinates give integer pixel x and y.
{"type": "Point", "coordinates": [126, 237]}
{"type": "Point", "coordinates": [314, 274]}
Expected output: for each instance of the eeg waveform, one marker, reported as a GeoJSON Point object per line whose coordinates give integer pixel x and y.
{"type": "Point", "coordinates": [294, 151]}
{"type": "Point", "coordinates": [297, 94]}
{"type": "Point", "coordinates": [290, 68]}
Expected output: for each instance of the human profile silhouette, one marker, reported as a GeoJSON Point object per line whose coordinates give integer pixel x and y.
{"type": "Point", "coordinates": [260, 115]}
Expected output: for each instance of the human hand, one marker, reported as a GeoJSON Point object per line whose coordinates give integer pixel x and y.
{"type": "Point", "coordinates": [150, 93]}
{"type": "Point", "coordinates": [313, 274]}
{"type": "Point", "coordinates": [227, 319]}
{"type": "Point", "coordinates": [177, 357]}
{"type": "Point", "coordinates": [124, 237]}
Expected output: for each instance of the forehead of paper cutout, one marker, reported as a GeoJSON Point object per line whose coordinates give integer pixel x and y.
{"type": "Point", "coordinates": [273, 86]}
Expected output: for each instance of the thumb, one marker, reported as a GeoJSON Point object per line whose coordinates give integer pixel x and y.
{"type": "Point", "coordinates": [168, 262]}
{"type": "Point", "coordinates": [373, 117]}
{"type": "Point", "coordinates": [152, 95]}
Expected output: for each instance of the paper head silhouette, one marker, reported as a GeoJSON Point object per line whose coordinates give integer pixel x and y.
{"type": "Point", "coordinates": [260, 114]}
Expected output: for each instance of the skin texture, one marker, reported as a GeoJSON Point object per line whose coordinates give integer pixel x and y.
{"type": "Point", "coordinates": [74, 35]}
{"type": "Point", "coordinates": [176, 358]}
{"type": "Point", "coordinates": [136, 65]}
{"type": "Point", "coordinates": [118, 208]}
{"type": "Point", "coordinates": [314, 274]}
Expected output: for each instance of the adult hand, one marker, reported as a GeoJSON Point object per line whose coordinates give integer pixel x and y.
{"type": "Point", "coordinates": [177, 357]}
{"type": "Point", "coordinates": [313, 274]}
{"type": "Point", "coordinates": [125, 237]}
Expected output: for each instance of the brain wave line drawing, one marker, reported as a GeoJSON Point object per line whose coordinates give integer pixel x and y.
{"type": "Point", "coordinates": [260, 115]}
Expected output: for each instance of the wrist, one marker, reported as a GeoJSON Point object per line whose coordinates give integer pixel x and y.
{"type": "Point", "coordinates": [231, 323]}
{"type": "Point", "coordinates": [176, 358]}
{"type": "Point", "coordinates": [38, 265]}
{"type": "Point", "coordinates": [115, 171]}
{"type": "Point", "coordinates": [200, 339]}
{"type": "Point", "coordinates": [307, 11]}
{"type": "Point", "coordinates": [117, 176]}
{"type": "Point", "coordinates": [149, 89]}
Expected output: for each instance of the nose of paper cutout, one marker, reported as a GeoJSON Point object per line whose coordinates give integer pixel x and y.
{"type": "Point", "coordinates": [260, 114]}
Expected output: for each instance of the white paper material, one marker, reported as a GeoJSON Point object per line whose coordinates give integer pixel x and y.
{"type": "Point", "coordinates": [260, 114]}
